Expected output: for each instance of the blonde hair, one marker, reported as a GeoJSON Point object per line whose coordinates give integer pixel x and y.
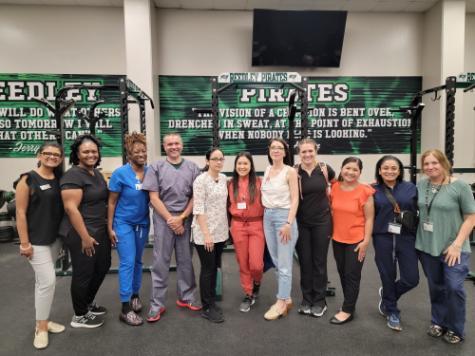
{"type": "Point", "coordinates": [133, 138]}
{"type": "Point", "coordinates": [441, 158]}
{"type": "Point", "coordinates": [309, 141]}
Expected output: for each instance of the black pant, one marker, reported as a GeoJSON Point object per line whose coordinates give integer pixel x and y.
{"type": "Point", "coordinates": [349, 269]}
{"type": "Point", "coordinates": [210, 261]}
{"type": "Point", "coordinates": [88, 272]}
{"type": "Point", "coordinates": [312, 249]}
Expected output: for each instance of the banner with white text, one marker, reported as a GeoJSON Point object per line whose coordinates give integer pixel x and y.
{"type": "Point", "coordinates": [25, 124]}
{"type": "Point", "coordinates": [347, 115]}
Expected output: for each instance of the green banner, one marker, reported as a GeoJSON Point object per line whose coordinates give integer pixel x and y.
{"type": "Point", "coordinates": [25, 124]}
{"type": "Point", "coordinates": [347, 115]}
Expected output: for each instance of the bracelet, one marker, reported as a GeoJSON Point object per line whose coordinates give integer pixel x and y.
{"type": "Point", "coordinates": [25, 249]}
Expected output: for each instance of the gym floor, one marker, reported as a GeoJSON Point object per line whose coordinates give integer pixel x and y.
{"type": "Point", "coordinates": [183, 332]}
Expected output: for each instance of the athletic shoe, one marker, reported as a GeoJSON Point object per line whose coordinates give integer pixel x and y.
{"type": "Point", "coordinates": [247, 303]}
{"type": "Point", "coordinates": [394, 322]}
{"type": "Point", "coordinates": [55, 328]}
{"type": "Point", "coordinates": [190, 305]}
{"type": "Point", "coordinates": [41, 339]}
{"type": "Point", "coordinates": [96, 309]}
{"type": "Point", "coordinates": [305, 309]}
{"type": "Point", "coordinates": [255, 290]}
{"type": "Point", "coordinates": [88, 321]}
{"type": "Point", "coordinates": [212, 315]}
{"type": "Point", "coordinates": [318, 311]}
{"type": "Point", "coordinates": [154, 315]}
{"type": "Point", "coordinates": [136, 304]}
{"type": "Point", "coordinates": [451, 338]}
{"type": "Point", "coordinates": [131, 318]}
{"type": "Point", "coordinates": [435, 331]}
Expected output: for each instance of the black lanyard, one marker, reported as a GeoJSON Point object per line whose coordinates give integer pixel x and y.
{"type": "Point", "coordinates": [427, 203]}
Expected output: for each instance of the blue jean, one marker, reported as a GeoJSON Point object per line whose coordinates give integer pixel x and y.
{"type": "Point", "coordinates": [282, 254]}
{"type": "Point", "coordinates": [131, 240]}
{"type": "Point", "coordinates": [391, 252]}
{"type": "Point", "coordinates": [446, 289]}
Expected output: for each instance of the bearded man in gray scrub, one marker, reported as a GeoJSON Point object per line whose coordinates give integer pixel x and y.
{"type": "Point", "coordinates": [170, 186]}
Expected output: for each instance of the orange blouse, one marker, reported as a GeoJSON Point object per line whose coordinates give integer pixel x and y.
{"type": "Point", "coordinates": [348, 212]}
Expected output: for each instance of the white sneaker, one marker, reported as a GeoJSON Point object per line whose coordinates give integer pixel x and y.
{"type": "Point", "coordinates": [41, 339]}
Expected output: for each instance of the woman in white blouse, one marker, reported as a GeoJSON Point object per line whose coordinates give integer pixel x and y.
{"type": "Point", "coordinates": [210, 229]}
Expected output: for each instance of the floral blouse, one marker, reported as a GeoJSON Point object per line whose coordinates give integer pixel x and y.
{"type": "Point", "coordinates": [210, 198]}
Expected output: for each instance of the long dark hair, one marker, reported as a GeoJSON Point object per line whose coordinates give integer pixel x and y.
{"type": "Point", "coordinates": [208, 156]}
{"type": "Point", "coordinates": [287, 160]}
{"type": "Point", "coordinates": [74, 156]}
{"type": "Point", "coordinates": [380, 162]}
{"type": "Point", "coordinates": [251, 188]}
{"type": "Point", "coordinates": [350, 159]}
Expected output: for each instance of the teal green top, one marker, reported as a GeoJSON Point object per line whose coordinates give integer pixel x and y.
{"type": "Point", "coordinates": [446, 214]}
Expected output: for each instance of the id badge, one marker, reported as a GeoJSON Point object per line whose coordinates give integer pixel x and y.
{"type": "Point", "coordinates": [241, 205]}
{"type": "Point", "coordinates": [45, 186]}
{"type": "Point", "coordinates": [428, 226]}
{"type": "Point", "coordinates": [138, 186]}
{"type": "Point", "coordinates": [394, 228]}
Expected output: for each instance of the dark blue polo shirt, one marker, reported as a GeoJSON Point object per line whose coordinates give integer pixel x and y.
{"type": "Point", "coordinates": [405, 194]}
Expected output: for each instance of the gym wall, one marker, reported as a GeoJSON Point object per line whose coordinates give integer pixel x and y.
{"type": "Point", "coordinates": [76, 40]}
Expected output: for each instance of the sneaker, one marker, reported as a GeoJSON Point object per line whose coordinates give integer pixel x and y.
{"type": "Point", "coordinates": [88, 321]}
{"type": "Point", "coordinates": [131, 318]}
{"type": "Point", "coordinates": [304, 309]}
{"type": "Point", "coordinates": [318, 311]}
{"type": "Point", "coordinates": [96, 309]}
{"type": "Point", "coordinates": [154, 315]}
{"type": "Point", "coordinates": [451, 338]}
{"type": "Point", "coordinates": [190, 305]}
{"type": "Point", "coordinates": [136, 304]}
{"type": "Point", "coordinates": [394, 322]}
{"type": "Point", "coordinates": [255, 290]}
{"type": "Point", "coordinates": [247, 303]}
{"type": "Point", "coordinates": [218, 309]}
{"type": "Point", "coordinates": [212, 315]}
{"type": "Point", "coordinates": [41, 339]}
{"type": "Point", "coordinates": [435, 331]}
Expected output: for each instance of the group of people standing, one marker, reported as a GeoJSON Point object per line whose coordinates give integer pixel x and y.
{"type": "Point", "coordinates": [299, 208]}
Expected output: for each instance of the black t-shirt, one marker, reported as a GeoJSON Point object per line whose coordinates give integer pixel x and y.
{"type": "Point", "coordinates": [93, 206]}
{"type": "Point", "coordinates": [45, 209]}
{"type": "Point", "coordinates": [315, 205]}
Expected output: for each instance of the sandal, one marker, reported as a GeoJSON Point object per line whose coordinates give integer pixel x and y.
{"type": "Point", "coordinates": [131, 318]}
{"type": "Point", "coordinates": [451, 338]}
{"type": "Point", "coordinates": [435, 331]}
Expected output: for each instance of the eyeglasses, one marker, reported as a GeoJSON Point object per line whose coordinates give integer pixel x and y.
{"type": "Point", "coordinates": [215, 159]}
{"type": "Point", "coordinates": [276, 148]}
{"type": "Point", "coordinates": [51, 154]}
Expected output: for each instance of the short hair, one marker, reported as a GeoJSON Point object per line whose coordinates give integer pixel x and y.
{"type": "Point", "coordinates": [74, 155]}
{"type": "Point", "coordinates": [380, 162]}
{"type": "Point", "coordinates": [171, 134]}
{"type": "Point", "coordinates": [287, 159]}
{"type": "Point", "coordinates": [439, 156]}
{"type": "Point", "coordinates": [131, 139]}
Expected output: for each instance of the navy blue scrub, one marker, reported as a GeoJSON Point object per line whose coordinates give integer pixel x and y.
{"type": "Point", "coordinates": [392, 250]}
{"type": "Point", "coordinates": [131, 225]}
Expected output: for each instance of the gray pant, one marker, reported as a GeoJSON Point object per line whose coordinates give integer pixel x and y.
{"type": "Point", "coordinates": [164, 243]}
{"type": "Point", "coordinates": [42, 262]}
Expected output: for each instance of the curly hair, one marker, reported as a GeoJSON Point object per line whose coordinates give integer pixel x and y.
{"type": "Point", "coordinates": [131, 139]}
{"type": "Point", "coordinates": [74, 155]}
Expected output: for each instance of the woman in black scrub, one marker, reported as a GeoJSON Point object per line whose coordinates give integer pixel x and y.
{"type": "Point", "coordinates": [84, 227]}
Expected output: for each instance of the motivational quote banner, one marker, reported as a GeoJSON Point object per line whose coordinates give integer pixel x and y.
{"type": "Point", "coordinates": [347, 115]}
{"type": "Point", "coordinates": [25, 124]}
